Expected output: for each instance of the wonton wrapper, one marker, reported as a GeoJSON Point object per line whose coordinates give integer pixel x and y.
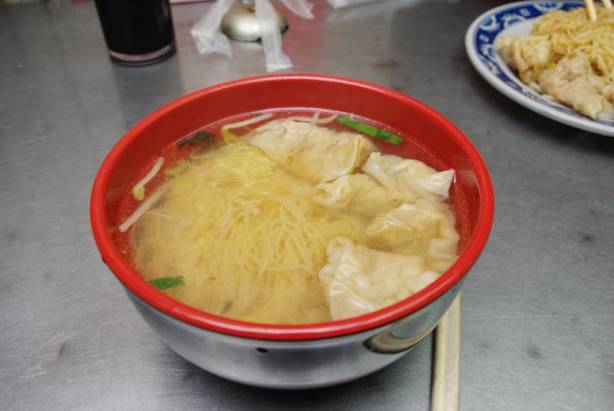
{"type": "Point", "coordinates": [412, 177]}
{"type": "Point", "coordinates": [572, 82]}
{"type": "Point", "coordinates": [359, 193]}
{"type": "Point", "coordinates": [529, 55]}
{"type": "Point", "coordinates": [316, 154]}
{"type": "Point", "coordinates": [424, 228]}
{"type": "Point", "coordinates": [358, 280]}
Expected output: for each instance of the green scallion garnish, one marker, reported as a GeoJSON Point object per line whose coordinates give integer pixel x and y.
{"type": "Point", "coordinates": [164, 283]}
{"type": "Point", "coordinates": [370, 130]}
{"type": "Point", "coordinates": [199, 137]}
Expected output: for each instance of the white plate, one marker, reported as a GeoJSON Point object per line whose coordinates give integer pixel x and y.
{"type": "Point", "coordinates": [517, 19]}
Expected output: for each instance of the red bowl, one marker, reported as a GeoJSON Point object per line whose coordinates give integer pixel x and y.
{"type": "Point", "coordinates": [472, 195]}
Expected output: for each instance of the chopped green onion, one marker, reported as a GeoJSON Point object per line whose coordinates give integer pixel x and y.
{"type": "Point", "coordinates": [204, 136]}
{"type": "Point", "coordinates": [370, 130]}
{"type": "Point", "coordinates": [199, 137]}
{"type": "Point", "coordinates": [290, 159]}
{"type": "Point", "coordinates": [164, 283]}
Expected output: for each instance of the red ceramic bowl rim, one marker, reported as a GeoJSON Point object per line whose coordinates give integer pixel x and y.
{"type": "Point", "coordinates": [158, 300]}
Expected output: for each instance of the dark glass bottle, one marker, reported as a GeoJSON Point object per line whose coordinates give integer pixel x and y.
{"type": "Point", "coordinates": [137, 32]}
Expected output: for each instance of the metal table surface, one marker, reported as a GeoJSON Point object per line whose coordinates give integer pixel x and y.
{"type": "Point", "coordinates": [538, 314]}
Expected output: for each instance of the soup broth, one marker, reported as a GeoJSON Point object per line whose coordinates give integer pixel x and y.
{"type": "Point", "coordinates": [296, 218]}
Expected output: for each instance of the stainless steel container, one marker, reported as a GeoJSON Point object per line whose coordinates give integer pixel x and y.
{"type": "Point", "coordinates": [296, 364]}
{"type": "Point", "coordinates": [309, 355]}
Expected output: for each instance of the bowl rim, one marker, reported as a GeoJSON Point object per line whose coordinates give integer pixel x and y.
{"type": "Point", "coordinates": [132, 280]}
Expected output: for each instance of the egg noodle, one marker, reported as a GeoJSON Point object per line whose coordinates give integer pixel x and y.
{"type": "Point", "coordinates": [571, 33]}
{"type": "Point", "coordinates": [249, 229]}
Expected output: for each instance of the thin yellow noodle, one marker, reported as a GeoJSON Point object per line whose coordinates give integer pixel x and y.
{"type": "Point", "coordinates": [571, 34]}
{"type": "Point", "coordinates": [255, 243]}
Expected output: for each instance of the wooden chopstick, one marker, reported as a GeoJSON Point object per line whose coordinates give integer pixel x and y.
{"type": "Point", "coordinates": [590, 8]}
{"type": "Point", "coordinates": [446, 369]}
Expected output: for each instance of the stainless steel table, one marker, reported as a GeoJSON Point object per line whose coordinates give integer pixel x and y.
{"type": "Point", "coordinates": [538, 314]}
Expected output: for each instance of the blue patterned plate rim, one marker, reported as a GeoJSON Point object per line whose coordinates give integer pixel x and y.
{"type": "Point", "coordinates": [479, 43]}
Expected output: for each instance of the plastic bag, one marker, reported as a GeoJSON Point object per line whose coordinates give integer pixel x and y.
{"type": "Point", "coordinates": [275, 57]}
{"type": "Point", "coordinates": [301, 8]}
{"type": "Point", "coordinates": [209, 38]}
{"type": "Point", "coordinates": [207, 33]}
